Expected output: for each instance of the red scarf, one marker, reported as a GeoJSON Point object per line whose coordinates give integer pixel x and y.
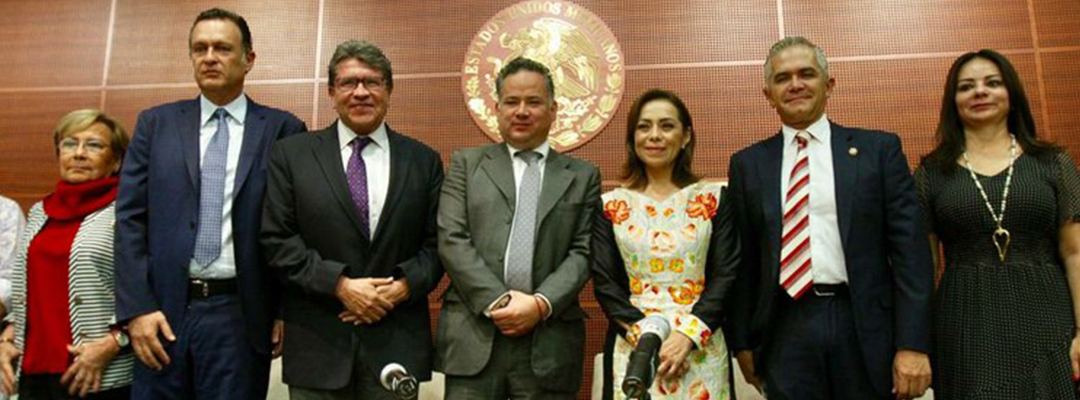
{"type": "Point", "coordinates": [48, 319]}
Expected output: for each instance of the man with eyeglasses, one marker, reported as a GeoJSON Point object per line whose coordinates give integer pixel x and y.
{"type": "Point", "coordinates": [191, 285]}
{"type": "Point", "coordinates": [349, 221]}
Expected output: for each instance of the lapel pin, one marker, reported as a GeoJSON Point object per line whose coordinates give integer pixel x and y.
{"type": "Point", "coordinates": [853, 152]}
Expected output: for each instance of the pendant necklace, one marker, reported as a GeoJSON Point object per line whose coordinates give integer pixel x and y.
{"type": "Point", "coordinates": [1001, 235]}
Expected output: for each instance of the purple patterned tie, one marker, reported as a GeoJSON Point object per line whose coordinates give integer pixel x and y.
{"type": "Point", "coordinates": [356, 174]}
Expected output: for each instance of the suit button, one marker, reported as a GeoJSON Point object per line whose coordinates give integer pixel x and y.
{"type": "Point", "coordinates": [192, 225]}
{"type": "Point", "coordinates": [78, 300]}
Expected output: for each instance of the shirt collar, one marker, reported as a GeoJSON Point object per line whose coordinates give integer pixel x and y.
{"type": "Point", "coordinates": [820, 130]}
{"type": "Point", "coordinates": [543, 149]}
{"type": "Point", "coordinates": [237, 109]}
{"type": "Point", "coordinates": [378, 136]}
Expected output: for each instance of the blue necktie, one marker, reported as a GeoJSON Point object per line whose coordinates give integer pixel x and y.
{"type": "Point", "coordinates": [212, 193]}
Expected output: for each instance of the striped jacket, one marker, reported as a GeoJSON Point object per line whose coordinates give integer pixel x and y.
{"type": "Point", "coordinates": [90, 287]}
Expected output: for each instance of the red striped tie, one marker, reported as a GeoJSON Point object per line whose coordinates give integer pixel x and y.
{"type": "Point", "coordinates": [795, 275]}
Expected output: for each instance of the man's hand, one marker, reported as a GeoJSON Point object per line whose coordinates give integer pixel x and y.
{"type": "Point", "coordinates": [396, 291]}
{"type": "Point", "coordinates": [144, 331]}
{"type": "Point", "coordinates": [277, 338]}
{"type": "Point", "coordinates": [673, 363]}
{"type": "Point", "coordinates": [362, 301]}
{"type": "Point", "coordinates": [519, 316]}
{"type": "Point", "coordinates": [911, 374]}
{"type": "Point", "coordinates": [746, 364]}
{"type": "Point", "coordinates": [90, 360]}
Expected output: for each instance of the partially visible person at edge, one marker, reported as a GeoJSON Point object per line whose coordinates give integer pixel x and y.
{"type": "Point", "coordinates": [833, 296]}
{"type": "Point", "coordinates": [61, 341]}
{"type": "Point", "coordinates": [665, 244]}
{"type": "Point", "coordinates": [12, 222]}
{"type": "Point", "coordinates": [1005, 206]}
{"type": "Point", "coordinates": [192, 286]}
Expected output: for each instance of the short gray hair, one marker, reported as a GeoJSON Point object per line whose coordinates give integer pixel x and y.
{"type": "Point", "coordinates": [365, 52]}
{"type": "Point", "coordinates": [793, 41]}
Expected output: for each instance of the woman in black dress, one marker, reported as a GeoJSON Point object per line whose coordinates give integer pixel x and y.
{"type": "Point", "coordinates": [1005, 206]}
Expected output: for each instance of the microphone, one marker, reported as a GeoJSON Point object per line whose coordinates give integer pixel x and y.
{"type": "Point", "coordinates": [398, 381]}
{"type": "Point", "coordinates": [641, 369]}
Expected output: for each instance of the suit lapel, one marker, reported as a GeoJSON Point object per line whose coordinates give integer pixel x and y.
{"type": "Point", "coordinates": [399, 174]}
{"type": "Point", "coordinates": [500, 170]}
{"type": "Point", "coordinates": [556, 179]}
{"type": "Point", "coordinates": [190, 117]}
{"type": "Point", "coordinates": [327, 153]}
{"type": "Point", "coordinates": [254, 127]}
{"type": "Point", "coordinates": [773, 209]}
{"type": "Point", "coordinates": [845, 175]}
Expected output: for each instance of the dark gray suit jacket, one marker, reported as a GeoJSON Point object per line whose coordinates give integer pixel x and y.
{"type": "Point", "coordinates": [311, 236]}
{"type": "Point", "coordinates": [475, 214]}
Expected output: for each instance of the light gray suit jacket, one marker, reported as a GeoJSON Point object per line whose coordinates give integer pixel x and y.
{"type": "Point", "coordinates": [475, 213]}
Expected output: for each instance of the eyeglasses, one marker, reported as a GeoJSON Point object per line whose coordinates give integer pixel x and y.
{"type": "Point", "coordinates": [92, 146]}
{"type": "Point", "coordinates": [372, 84]}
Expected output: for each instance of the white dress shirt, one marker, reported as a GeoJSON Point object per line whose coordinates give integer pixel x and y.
{"type": "Point", "coordinates": [12, 223]}
{"type": "Point", "coordinates": [224, 267]}
{"type": "Point", "coordinates": [826, 249]}
{"type": "Point", "coordinates": [376, 157]}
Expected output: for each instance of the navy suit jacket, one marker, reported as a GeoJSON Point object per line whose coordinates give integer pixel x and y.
{"type": "Point", "coordinates": [890, 272]}
{"type": "Point", "coordinates": [157, 209]}
{"type": "Point", "coordinates": [312, 235]}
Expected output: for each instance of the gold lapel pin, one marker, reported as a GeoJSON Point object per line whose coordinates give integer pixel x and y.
{"type": "Point", "coordinates": [853, 152]}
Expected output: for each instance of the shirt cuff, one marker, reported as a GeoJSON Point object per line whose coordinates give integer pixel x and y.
{"type": "Point", "coordinates": [694, 328]}
{"type": "Point", "coordinates": [546, 301]}
{"type": "Point", "coordinates": [499, 302]}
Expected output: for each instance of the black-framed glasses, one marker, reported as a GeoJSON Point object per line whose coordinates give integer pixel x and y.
{"type": "Point", "coordinates": [372, 84]}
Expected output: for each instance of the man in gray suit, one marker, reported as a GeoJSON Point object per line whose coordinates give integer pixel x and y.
{"type": "Point", "coordinates": [514, 230]}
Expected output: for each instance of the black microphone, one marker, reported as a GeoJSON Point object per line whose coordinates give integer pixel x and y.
{"type": "Point", "coordinates": [398, 381]}
{"type": "Point", "coordinates": [641, 369]}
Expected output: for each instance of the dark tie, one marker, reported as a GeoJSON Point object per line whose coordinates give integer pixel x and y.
{"type": "Point", "coordinates": [519, 263]}
{"type": "Point", "coordinates": [212, 193]}
{"type": "Point", "coordinates": [356, 174]}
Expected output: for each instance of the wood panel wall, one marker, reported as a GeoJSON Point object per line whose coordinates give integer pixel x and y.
{"type": "Point", "coordinates": [889, 57]}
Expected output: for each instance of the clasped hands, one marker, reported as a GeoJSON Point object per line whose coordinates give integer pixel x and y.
{"type": "Point", "coordinates": [82, 377]}
{"type": "Point", "coordinates": [519, 316]}
{"type": "Point", "coordinates": [368, 300]}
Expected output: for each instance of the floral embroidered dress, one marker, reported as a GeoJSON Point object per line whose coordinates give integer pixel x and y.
{"type": "Point", "coordinates": [664, 246]}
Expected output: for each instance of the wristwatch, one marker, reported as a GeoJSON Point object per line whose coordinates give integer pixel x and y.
{"type": "Point", "coordinates": [121, 338]}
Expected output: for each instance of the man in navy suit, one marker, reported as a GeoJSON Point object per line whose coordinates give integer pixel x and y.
{"type": "Point", "coordinates": [833, 294]}
{"type": "Point", "coordinates": [191, 286]}
{"type": "Point", "coordinates": [349, 222]}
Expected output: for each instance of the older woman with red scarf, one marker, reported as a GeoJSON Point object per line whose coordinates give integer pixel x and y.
{"type": "Point", "coordinates": [60, 342]}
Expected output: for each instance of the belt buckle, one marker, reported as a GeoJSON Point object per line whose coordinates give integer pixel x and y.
{"type": "Point", "coordinates": [205, 286]}
{"type": "Point", "coordinates": [823, 294]}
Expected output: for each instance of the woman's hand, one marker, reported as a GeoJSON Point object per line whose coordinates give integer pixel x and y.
{"type": "Point", "coordinates": [91, 359]}
{"type": "Point", "coordinates": [673, 352]}
{"type": "Point", "coordinates": [9, 354]}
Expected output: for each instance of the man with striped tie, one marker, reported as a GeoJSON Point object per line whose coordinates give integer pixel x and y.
{"type": "Point", "coordinates": [834, 290]}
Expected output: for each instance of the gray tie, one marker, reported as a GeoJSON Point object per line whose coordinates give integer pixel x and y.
{"type": "Point", "coordinates": [522, 243]}
{"type": "Point", "coordinates": [212, 193]}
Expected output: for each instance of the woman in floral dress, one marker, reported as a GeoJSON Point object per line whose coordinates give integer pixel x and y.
{"type": "Point", "coordinates": [665, 245]}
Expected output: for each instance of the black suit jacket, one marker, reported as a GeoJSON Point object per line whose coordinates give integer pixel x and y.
{"type": "Point", "coordinates": [311, 235]}
{"type": "Point", "coordinates": [890, 272]}
{"type": "Point", "coordinates": [157, 210]}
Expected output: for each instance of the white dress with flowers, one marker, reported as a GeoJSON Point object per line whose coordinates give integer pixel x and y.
{"type": "Point", "coordinates": [663, 246]}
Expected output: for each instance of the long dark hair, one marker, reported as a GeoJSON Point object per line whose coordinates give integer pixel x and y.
{"type": "Point", "coordinates": [950, 131]}
{"type": "Point", "coordinates": [634, 169]}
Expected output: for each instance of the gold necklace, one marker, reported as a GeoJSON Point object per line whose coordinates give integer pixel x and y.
{"type": "Point", "coordinates": [1001, 235]}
